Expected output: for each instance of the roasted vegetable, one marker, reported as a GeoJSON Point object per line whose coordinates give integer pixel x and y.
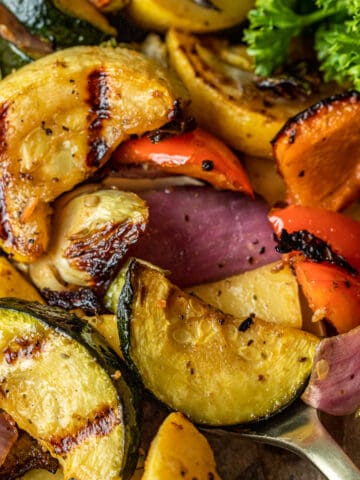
{"type": "Point", "coordinates": [63, 385]}
{"type": "Point", "coordinates": [333, 294]}
{"type": "Point", "coordinates": [229, 100]}
{"type": "Point", "coordinates": [215, 368]}
{"type": "Point", "coordinates": [179, 451]}
{"type": "Point", "coordinates": [338, 231]}
{"type": "Point", "coordinates": [203, 235]}
{"type": "Point", "coordinates": [18, 46]}
{"type": "Point", "coordinates": [26, 455]}
{"type": "Point", "coordinates": [109, 5]}
{"type": "Point", "coordinates": [67, 127]}
{"type": "Point", "coordinates": [91, 232]}
{"type": "Point", "coordinates": [317, 153]}
{"type": "Point", "coordinates": [264, 178]}
{"type": "Point", "coordinates": [196, 153]}
{"type": "Point", "coordinates": [13, 284]}
{"type": "Point", "coordinates": [334, 381]}
{"type": "Point", "coordinates": [62, 23]}
{"type": "Point", "coordinates": [269, 292]}
{"type": "Point", "coordinates": [192, 15]}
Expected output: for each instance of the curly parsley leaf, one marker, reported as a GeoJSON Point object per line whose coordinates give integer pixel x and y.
{"type": "Point", "coordinates": [274, 23]}
{"type": "Point", "coordinates": [338, 49]}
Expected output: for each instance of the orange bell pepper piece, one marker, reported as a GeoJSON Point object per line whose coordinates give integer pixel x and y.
{"type": "Point", "coordinates": [318, 153]}
{"type": "Point", "coordinates": [340, 232]}
{"type": "Point", "coordinates": [196, 154]}
{"type": "Point", "coordinates": [331, 292]}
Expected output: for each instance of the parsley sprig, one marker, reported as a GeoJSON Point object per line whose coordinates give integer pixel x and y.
{"type": "Point", "coordinates": [334, 23]}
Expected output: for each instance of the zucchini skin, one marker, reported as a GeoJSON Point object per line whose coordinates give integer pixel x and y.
{"type": "Point", "coordinates": [215, 368]}
{"type": "Point", "coordinates": [74, 328]}
{"type": "Point", "coordinates": [11, 57]}
{"type": "Point", "coordinates": [61, 30]}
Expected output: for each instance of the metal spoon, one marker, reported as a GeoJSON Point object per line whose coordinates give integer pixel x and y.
{"type": "Point", "coordinates": [299, 430]}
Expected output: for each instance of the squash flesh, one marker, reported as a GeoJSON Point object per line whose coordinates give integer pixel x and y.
{"type": "Point", "coordinates": [63, 116]}
{"type": "Point", "coordinates": [187, 15]}
{"type": "Point", "coordinates": [179, 451]}
{"type": "Point", "coordinates": [270, 292]}
{"type": "Point", "coordinates": [213, 367]}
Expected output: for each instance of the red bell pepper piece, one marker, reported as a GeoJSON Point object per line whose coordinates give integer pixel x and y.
{"type": "Point", "coordinates": [340, 232]}
{"type": "Point", "coordinates": [332, 292]}
{"type": "Point", "coordinates": [197, 154]}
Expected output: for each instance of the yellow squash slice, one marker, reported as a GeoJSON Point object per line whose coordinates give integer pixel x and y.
{"type": "Point", "coordinates": [61, 117]}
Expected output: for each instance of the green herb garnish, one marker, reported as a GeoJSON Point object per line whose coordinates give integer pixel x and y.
{"type": "Point", "coordinates": [335, 25]}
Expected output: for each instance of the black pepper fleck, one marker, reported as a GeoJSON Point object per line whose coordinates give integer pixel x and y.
{"type": "Point", "coordinates": [207, 165]}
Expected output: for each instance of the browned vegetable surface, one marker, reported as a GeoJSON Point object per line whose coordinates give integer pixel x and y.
{"type": "Point", "coordinates": [60, 119]}
{"type": "Point", "coordinates": [317, 153]}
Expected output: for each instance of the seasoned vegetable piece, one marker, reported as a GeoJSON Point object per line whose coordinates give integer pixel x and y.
{"type": "Point", "coordinates": [195, 16]}
{"type": "Point", "coordinates": [333, 294]}
{"type": "Point", "coordinates": [215, 368]}
{"type": "Point", "coordinates": [61, 117]}
{"type": "Point", "coordinates": [335, 378]}
{"type": "Point", "coordinates": [179, 451]}
{"type": "Point", "coordinates": [110, 5]}
{"type": "Point", "coordinates": [229, 100]}
{"type": "Point", "coordinates": [62, 23]}
{"type": "Point", "coordinates": [317, 153]}
{"type": "Point", "coordinates": [13, 284]}
{"type": "Point", "coordinates": [270, 292]}
{"type": "Point", "coordinates": [91, 232]}
{"type": "Point", "coordinates": [340, 232]}
{"type": "Point", "coordinates": [63, 385]}
{"type": "Point", "coordinates": [203, 235]}
{"type": "Point", "coordinates": [17, 45]}
{"type": "Point", "coordinates": [197, 154]}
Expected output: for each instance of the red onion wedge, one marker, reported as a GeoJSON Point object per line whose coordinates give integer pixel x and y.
{"type": "Point", "coordinates": [8, 435]}
{"type": "Point", "coordinates": [334, 385]}
{"type": "Point", "coordinates": [201, 234]}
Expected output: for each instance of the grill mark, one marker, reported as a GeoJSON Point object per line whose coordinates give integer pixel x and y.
{"type": "Point", "coordinates": [5, 227]}
{"type": "Point", "coordinates": [3, 127]}
{"type": "Point", "coordinates": [100, 253]}
{"type": "Point", "coordinates": [99, 110]}
{"type": "Point", "coordinates": [103, 423]}
{"type": "Point", "coordinates": [23, 348]}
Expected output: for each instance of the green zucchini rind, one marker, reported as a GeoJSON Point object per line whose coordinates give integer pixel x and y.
{"type": "Point", "coordinates": [11, 57]}
{"type": "Point", "coordinates": [59, 21]}
{"type": "Point", "coordinates": [217, 369]}
{"type": "Point", "coordinates": [63, 385]}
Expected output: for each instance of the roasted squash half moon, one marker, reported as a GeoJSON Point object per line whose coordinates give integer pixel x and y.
{"type": "Point", "coordinates": [215, 368]}
{"type": "Point", "coordinates": [227, 97]}
{"type": "Point", "coordinates": [61, 117]}
{"type": "Point", "coordinates": [206, 16]}
{"type": "Point", "coordinates": [64, 386]}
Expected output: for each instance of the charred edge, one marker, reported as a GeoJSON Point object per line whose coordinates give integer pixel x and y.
{"type": "Point", "coordinates": [85, 298]}
{"type": "Point", "coordinates": [99, 110]}
{"type": "Point", "coordinates": [6, 232]}
{"type": "Point", "coordinates": [178, 124]}
{"type": "Point", "coordinates": [3, 127]}
{"type": "Point", "coordinates": [207, 4]}
{"type": "Point", "coordinates": [283, 87]}
{"type": "Point", "coordinates": [23, 348]}
{"type": "Point", "coordinates": [103, 423]}
{"type": "Point", "coordinates": [352, 96]}
{"type": "Point", "coordinates": [313, 248]}
{"type": "Point", "coordinates": [100, 254]}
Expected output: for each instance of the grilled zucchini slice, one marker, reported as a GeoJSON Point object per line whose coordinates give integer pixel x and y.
{"type": "Point", "coordinates": [64, 386]}
{"type": "Point", "coordinates": [213, 367]}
